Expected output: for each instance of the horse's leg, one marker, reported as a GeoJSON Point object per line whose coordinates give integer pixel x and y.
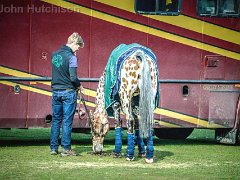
{"type": "Point", "coordinates": [139, 141]}
{"type": "Point", "coordinates": [150, 148]}
{"type": "Point", "coordinates": [118, 130]}
{"type": "Point", "coordinates": [130, 140]}
{"type": "Point", "coordinates": [138, 138]}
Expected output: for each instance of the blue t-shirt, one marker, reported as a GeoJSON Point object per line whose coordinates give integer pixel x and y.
{"type": "Point", "coordinates": [73, 62]}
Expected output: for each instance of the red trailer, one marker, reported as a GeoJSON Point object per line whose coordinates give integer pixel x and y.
{"type": "Point", "coordinates": [197, 43]}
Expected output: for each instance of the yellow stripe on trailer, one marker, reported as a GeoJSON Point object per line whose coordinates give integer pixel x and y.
{"type": "Point", "coordinates": [36, 90]}
{"type": "Point", "coordinates": [182, 21]}
{"type": "Point", "coordinates": [186, 118]}
{"type": "Point", "coordinates": [145, 29]}
{"type": "Point", "coordinates": [17, 73]}
{"type": "Point", "coordinates": [27, 88]}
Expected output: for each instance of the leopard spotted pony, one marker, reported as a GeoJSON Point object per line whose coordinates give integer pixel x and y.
{"type": "Point", "coordinates": [136, 96]}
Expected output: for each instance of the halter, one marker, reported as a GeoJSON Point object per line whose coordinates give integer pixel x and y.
{"type": "Point", "coordinates": [100, 134]}
{"type": "Point", "coordinates": [81, 116]}
{"type": "Point", "coordinates": [89, 121]}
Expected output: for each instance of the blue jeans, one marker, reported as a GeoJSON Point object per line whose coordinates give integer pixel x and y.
{"type": "Point", "coordinates": [63, 108]}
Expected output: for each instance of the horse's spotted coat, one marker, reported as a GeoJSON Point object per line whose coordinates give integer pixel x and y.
{"type": "Point", "coordinates": [130, 78]}
{"type": "Point", "coordinates": [130, 75]}
{"type": "Point", "coordinates": [129, 84]}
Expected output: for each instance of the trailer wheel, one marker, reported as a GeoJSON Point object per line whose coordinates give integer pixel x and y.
{"type": "Point", "coordinates": [238, 137]}
{"type": "Point", "coordinates": [173, 133]}
{"type": "Point", "coordinates": [81, 130]}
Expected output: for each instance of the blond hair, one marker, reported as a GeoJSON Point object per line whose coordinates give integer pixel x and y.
{"type": "Point", "coordinates": [76, 39]}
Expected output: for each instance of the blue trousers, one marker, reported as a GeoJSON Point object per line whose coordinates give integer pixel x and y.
{"type": "Point", "coordinates": [63, 108]}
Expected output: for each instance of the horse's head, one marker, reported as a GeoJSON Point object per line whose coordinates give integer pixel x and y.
{"type": "Point", "coordinates": [100, 128]}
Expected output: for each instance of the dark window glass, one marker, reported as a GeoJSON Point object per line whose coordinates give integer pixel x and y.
{"type": "Point", "coordinates": [145, 6]}
{"type": "Point", "coordinates": [227, 8]}
{"type": "Point", "coordinates": [161, 7]}
{"type": "Point", "coordinates": [207, 7]}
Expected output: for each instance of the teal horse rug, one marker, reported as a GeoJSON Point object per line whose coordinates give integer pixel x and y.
{"type": "Point", "coordinates": [113, 73]}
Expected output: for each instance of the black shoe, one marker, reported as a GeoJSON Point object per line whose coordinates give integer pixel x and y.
{"type": "Point", "coordinates": [117, 155]}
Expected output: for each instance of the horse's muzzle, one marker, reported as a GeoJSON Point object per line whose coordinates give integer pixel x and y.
{"type": "Point", "coordinates": [98, 148]}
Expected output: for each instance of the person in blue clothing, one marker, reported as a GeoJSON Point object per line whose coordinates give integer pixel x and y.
{"type": "Point", "coordinates": [65, 84]}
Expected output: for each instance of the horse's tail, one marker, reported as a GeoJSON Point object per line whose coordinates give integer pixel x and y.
{"type": "Point", "coordinates": [147, 97]}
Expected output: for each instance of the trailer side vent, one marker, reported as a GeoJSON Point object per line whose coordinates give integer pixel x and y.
{"type": "Point", "coordinates": [48, 118]}
{"type": "Point", "coordinates": [212, 62]}
{"type": "Point", "coordinates": [185, 91]}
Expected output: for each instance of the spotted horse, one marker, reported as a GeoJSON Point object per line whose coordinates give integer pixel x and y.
{"type": "Point", "coordinates": [128, 83]}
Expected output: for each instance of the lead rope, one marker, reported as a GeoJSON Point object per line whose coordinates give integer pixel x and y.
{"type": "Point", "coordinates": [82, 115]}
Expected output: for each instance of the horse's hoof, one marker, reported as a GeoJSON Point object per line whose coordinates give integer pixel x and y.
{"type": "Point", "coordinates": [129, 159]}
{"type": "Point", "coordinates": [149, 161]}
{"type": "Point", "coordinates": [141, 155]}
{"type": "Point", "coordinates": [91, 153]}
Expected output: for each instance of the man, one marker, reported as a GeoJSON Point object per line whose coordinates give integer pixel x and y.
{"type": "Point", "coordinates": [64, 94]}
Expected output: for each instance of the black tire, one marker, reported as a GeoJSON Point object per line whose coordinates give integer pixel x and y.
{"type": "Point", "coordinates": [81, 130]}
{"type": "Point", "coordinates": [173, 133]}
{"type": "Point", "coordinates": [238, 137]}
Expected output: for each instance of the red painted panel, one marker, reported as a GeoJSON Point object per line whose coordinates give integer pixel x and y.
{"type": "Point", "coordinates": [39, 107]}
{"type": "Point", "coordinates": [29, 39]}
{"type": "Point", "coordinates": [218, 103]}
{"type": "Point", "coordinates": [220, 43]}
{"type": "Point", "coordinates": [125, 14]}
{"type": "Point", "coordinates": [14, 52]}
{"type": "Point", "coordinates": [222, 107]}
{"type": "Point", "coordinates": [50, 31]}
{"type": "Point", "coordinates": [86, 3]}
{"type": "Point", "coordinates": [232, 71]}
{"type": "Point", "coordinates": [172, 98]}
{"type": "Point", "coordinates": [13, 107]}
{"type": "Point", "coordinates": [214, 67]}
{"type": "Point", "coordinates": [175, 29]}
{"type": "Point", "coordinates": [173, 61]}
{"type": "Point", "coordinates": [231, 67]}
{"type": "Point", "coordinates": [14, 30]}
{"type": "Point", "coordinates": [189, 9]}
{"type": "Point", "coordinates": [107, 36]}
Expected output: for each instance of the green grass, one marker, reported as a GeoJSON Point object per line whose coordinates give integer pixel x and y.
{"type": "Point", "coordinates": [24, 154]}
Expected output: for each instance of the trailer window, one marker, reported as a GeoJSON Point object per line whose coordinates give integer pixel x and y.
{"type": "Point", "coordinates": [220, 8]}
{"type": "Point", "coordinates": [160, 7]}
